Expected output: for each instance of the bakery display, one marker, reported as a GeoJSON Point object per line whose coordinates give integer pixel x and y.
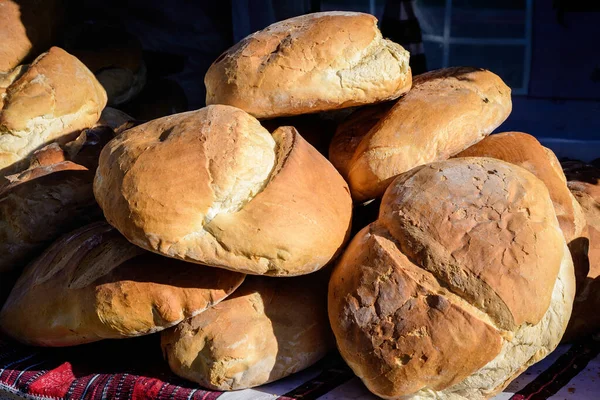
{"type": "Point", "coordinates": [52, 99]}
{"type": "Point", "coordinates": [213, 186]}
{"type": "Point", "coordinates": [418, 313]}
{"type": "Point", "coordinates": [311, 63]}
{"type": "Point", "coordinates": [525, 151]}
{"type": "Point", "coordinates": [93, 284]}
{"type": "Point", "coordinates": [584, 183]}
{"type": "Point", "coordinates": [445, 112]}
{"type": "Point", "coordinates": [323, 198]}
{"type": "Point", "coordinates": [267, 330]}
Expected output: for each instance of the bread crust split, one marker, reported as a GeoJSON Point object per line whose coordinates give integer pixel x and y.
{"type": "Point", "coordinates": [463, 282]}
{"type": "Point", "coordinates": [213, 186]}
{"type": "Point", "coordinates": [307, 64]}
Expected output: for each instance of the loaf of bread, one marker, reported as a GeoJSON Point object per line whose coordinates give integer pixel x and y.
{"type": "Point", "coordinates": [463, 282]}
{"type": "Point", "coordinates": [52, 99]}
{"type": "Point", "coordinates": [268, 329]}
{"type": "Point", "coordinates": [52, 197]}
{"type": "Point", "coordinates": [311, 63]}
{"type": "Point", "coordinates": [27, 28]}
{"type": "Point", "coordinates": [584, 183]}
{"type": "Point", "coordinates": [93, 284]}
{"type": "Point", "coordinates": [214, 187]}
{"type": "Point", "coordinates": [445, 112]}
{"type": "Point", "coordinates": [525, 151]}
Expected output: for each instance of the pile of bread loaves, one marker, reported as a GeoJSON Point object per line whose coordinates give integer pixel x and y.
{"type": "Point", "coordinates": [227, 230]}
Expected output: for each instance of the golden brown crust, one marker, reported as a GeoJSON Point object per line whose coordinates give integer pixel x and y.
{"type": "Point", "coordinates": [445, 112]}
{"type": "Point", "coordinates": [401, 341]}
{"type": "Point", "coordinates": [525, 151]}
{"type": "Point", "coordinates": [93, 284]}
{"type": "Point", "coordinates": [463, 281]}
{"type": "Point", "coordinates": [214, 187]}
{"type": "Point", "coordinates": [351, 131]}
{"type": "Point", "coordinates": [14, 43]}
{"type": "Point", "coordinates": [485, 209]}
{"type": "Point", "coordinates": [52, 99]}
{"type": "Point", "coordinates": [267, 330]}
{"type": "Point", "coordinates": [310, 63]}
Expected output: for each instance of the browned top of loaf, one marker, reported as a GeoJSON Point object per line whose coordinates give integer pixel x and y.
{"type": "Point", "coordinates": [525, 151]}
{"type": "Point", "coordinates": [400, 341]}
{"type": "Point", "coordinates": [93, 284]}
{"type": "Point", "coordinates": [310, 63]}
{"type": "Point", "coordinates": [55, 84]}
{"type": "Point", "coordinates": [266, 330]}
{"type": "Point", "coordinates": [478, 225]}
{"type": "Point", "coordinates": [445, 112]}
{"type": "Point", "coordinates": [213, 186]}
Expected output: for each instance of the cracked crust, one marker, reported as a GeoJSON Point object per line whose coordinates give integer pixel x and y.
{"type": "Point", "coordinates": [268, 329]}
{"type": "Point", "coordinates": [525, 151]}
{"type": "Point", "coordinates": [93, 284]}
{"type": "Point", "coordinates": [52, 99]}
{"type": "Point", "coordinates": [445, 112]}
{"type": "Point", "coordinates": [453, 301]}
{"type": "Point", "coordinates": [229, 196]}
{"type": "Point", "coordinates": [315, 62]}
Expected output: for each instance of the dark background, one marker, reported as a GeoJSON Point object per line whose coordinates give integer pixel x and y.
{"type": "Point", "coordinates": [547, 51]}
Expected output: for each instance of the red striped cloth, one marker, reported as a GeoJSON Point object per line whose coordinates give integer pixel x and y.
{"type": "Point", "coordinates": [134, 369]}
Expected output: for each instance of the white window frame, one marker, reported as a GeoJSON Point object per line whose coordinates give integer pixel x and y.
{"type": "Point", "coordinates": [446, 40]}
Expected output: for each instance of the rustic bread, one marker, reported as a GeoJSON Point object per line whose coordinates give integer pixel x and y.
{"type": "Point", "coordinates": [311, 63]}
{"type": "Point", "coordinates": [214, 187]}
{"type": "Point", "coordinates": [445, 112]}
{"type": "Point", "coordinates": [52, 197]}
{"type": "Point", "coordinates": [52, 99]}
{"type": "Point", "coordinates": [268, 329]}
{"type": "Point", "coordinates": [27, 27]}
{"type": "Point", "coordinates": [93, 284]}
{"type": "Point", "coordinates": [584, 183]}
{"type": "Point", "coordinates": [525, 151]}
{"type": "Point", "coordinates": [463, 282]}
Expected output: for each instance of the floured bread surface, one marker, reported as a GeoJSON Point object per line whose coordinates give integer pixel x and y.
{"type": "Point", "coordinates": [51, 99]}
{"type": "Point", "coordinates": [311, 63]}
{"type": "Point", "coordinates": [213, 186]}
{"type": "Point", "coordinates": [93, 284]}
{"type": "Point", "coordinates": [463, 282]}
{"type": "Point", "coordinates": [445, 112]}
{"type": "Point", "coordinates": [268, 329]}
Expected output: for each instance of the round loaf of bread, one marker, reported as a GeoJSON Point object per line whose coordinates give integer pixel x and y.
{"type": "Point", "coordinates": [52, 99]}
{"type": "Point", "coordinates": [213, 186]}
{"type": "Point", "coordinates": [93, 284]}
{"type": "Point", "coordinates": [584, 183]}
{"type": "Point", "coordinates": [445, 112]}
{"type": "Point", "coordinates": [525, 151]}
{"type": "Point", "coordinates": [268, 329]}
{"type": "Point", "coordinates": [311, 63]}
{"type": "Point", "coordinates": [463, 282]}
